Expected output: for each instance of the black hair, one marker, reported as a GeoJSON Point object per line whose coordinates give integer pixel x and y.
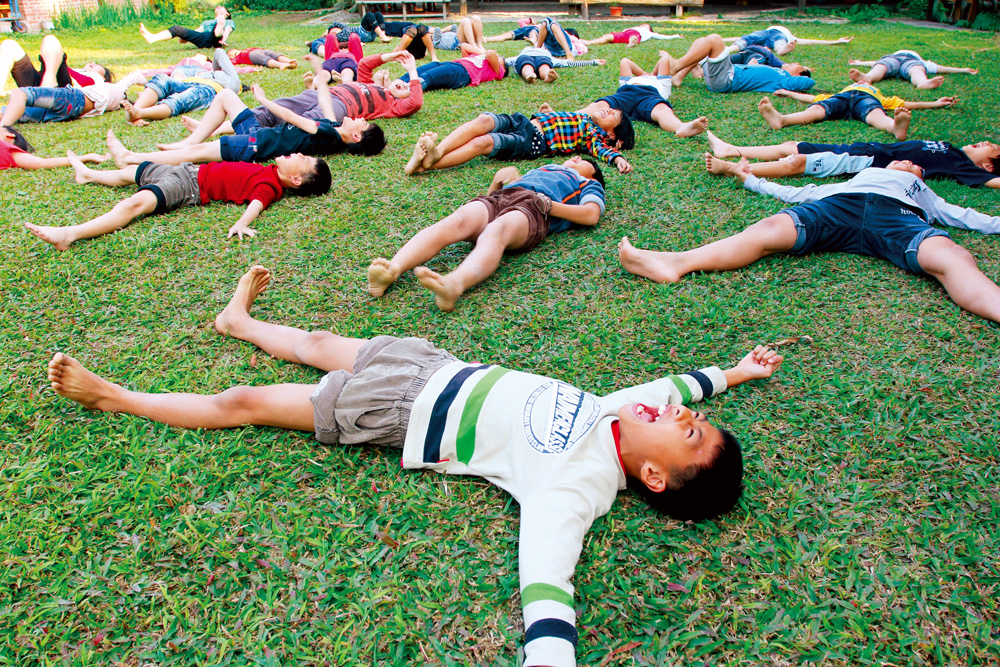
{"type": "Point", "coordinates": [598, 174]}
{"type": "Point", "coordinates": [573, 31]}
{"type": "Point", "coordinates": [995, 163]}
{"type": "Point", "coordinates": [696, 494]}
{"type": "Point", "coordinates": [624, 132]}
{"type": "Point", "coordinates": [316, 182]}
{"type": "Point", "coordinates": [109, 76]}
{"type": "Point", "coordinates": [372, 142]}
{"type": "Point", "coordinates": [19, 139]}
{"type": "Point", "coordinates": [807, 73]}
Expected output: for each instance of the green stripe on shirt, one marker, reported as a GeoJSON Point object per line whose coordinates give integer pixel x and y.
{"type": "Point", "coordinates": [465, 442]}
{"type": "Point", "coordinates": [538, 592]}
{"type": "Point", "coordinates": [681, 387]}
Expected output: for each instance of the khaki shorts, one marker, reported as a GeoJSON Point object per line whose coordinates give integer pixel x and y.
{"type": "Point", "coordinates": [372, 406]}
{"type": "Point", "coordinates": [534, 206]}
{"type": "Point", "coordinates": [174, 185]}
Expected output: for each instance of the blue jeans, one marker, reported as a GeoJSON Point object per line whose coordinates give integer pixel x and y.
{"type": "Point", "coordinates": [180, 96]}
{"type": "Point", "coordinates": [50, 105]}
{"type": "Point", "coordinates": [551, 43]}
{"type": "Point", "coordinates": [435, 76]}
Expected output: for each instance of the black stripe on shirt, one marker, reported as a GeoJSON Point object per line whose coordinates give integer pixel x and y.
{"type": "Point", "coordinates": [706, 385]}
{"type": "Point", "coordinates": [551, 627]}
{"type": "Point", "coordinates": [439, 415]}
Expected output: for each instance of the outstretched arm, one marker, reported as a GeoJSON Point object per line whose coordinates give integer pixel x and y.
{"type": "Point", "coordinates": [863, 63]}
{"type": "Point", "coordinates": [759, 363]}
{"type": "Point", "coordinates": [242, 225]}
{"type": "Point", "coordinates": [31, 162]}
{"type": "Point", "coordinates": [824, 42]}
{"type": "Point", "coordinates": [936, 104]}
{"type": "Point", "coordinates": [941, 69]}
{"type": "Point", "coordinates": [805, 98]}
{"type": "Point", "coordinates": [286, 115]}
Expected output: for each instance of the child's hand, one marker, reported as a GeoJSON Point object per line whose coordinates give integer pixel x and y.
{"type": "Point", "coordinates": [600, 61]}
{"type": "Point", "coordinates": [239, 229]}
{"type": "Point", "coordinates": [258, 93]}
{"type": "Point", "coordinates": [623, 166]}
{"type": "Point", "coordinates": [95, 158]}
{"type": "Point", "coordinates": [506, 175]}
{"type": "Point", "coordinates": [946, 101]}
{"type": "Point", "coordinates": [742, 171]}
{"type": "Point", "coordinates": [407, 60]}
{"type": "Point", "coordinates": [762, 362]}
{"type": "Point", "coordinates": [781, 92]}
{"type": "Point", "coordinates": [545, 108]}
{"type": "Point", "coordinates": [854, 61]}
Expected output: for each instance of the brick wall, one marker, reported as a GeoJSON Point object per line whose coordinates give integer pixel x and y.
{"type": "Point", "coordinates": [36, 12]}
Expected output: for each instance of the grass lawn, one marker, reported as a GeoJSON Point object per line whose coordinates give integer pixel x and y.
{"type": "Point", "coordinates": [868, 531]}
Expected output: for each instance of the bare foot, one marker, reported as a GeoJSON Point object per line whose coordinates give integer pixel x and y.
{"type": "Point", "coordinates": [131, 116]}
{"type": "Point", "coordinates": [190, 124]}
{"type": "Point", "coordinates": [717, 166]}
{"type": "Point", "coordinates": [433, 154]}
{"type": "Point", "coordinates": [932, 83]}
{"type": "Point", "coordinates": [692, 128]}
{"type": "Point", "coordinates": [719, 147]}
{"type": "Point", "coordinates": [307, 80]}
{"type": "Point", "coordinates": [657, 266]}
{"type": "Point", "coordinates": [117, 150]}
{"type": "Point", "coordinates": [901, 123]}
{"type": "Point", "coordinates": [380, 276]}
{"type": "Point", "coordinates": [446, 291]}
{"type": "Point", "coordinates": [57, 236]}
{"type": "Point", "coordinates": [530, 78]}
{"type": "Point", "coordinates": [770, 114]}
{"type": "Point", "coordinates": [237, 312]}
{"type": "Point", "coordinates": [146, 34]}
{"type": "Point", "coordinates": [71, 380]}
{"type": "Point", "coordinates": [415, 164]}
{"type": "Point", "coordinates": [82, 170]}
{"type": "Point", "coordinates": [551, 76]}
{"type": "Point", "coordinates": [856, 76]}
{"type": "Point", "coordinates": [336, 78]}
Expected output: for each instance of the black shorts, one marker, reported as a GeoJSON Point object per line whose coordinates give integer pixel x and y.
{"type": "Point", "coordinates": [26, 76]}
{"type": "Point", "coordinates": [854, 104]}
{"type": "Point", "coordinates": [203, 40]}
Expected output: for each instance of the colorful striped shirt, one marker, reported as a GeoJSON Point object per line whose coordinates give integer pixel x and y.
{"type": "Point", "coordinates": [570, 131]}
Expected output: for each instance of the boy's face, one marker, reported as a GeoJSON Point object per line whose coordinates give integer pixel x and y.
{"type": "Point", "coordinates": [671, 438]}
{"type": "Point", "coordinates": [581, 166]}
{"type": "Point", "coordinates": [983, 153]}
{"type": "Point", "coordinates": [6, 136]}
{"type": "Point", "coordinates": [607, 119]}
{"type": "Point", "coordinates": [908, 167]}
{"type": "Point", "coordinates": [355, 127]}
{"type": "Point", "coordinates": [295, 167]}
{"type": "Point", "coordinates": [398, 89]}
{"type": "Point", "coordinates": [795, 69]}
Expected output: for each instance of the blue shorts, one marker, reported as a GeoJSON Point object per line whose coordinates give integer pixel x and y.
{"type": "Point", "coordinates": [636, 101]}
{"type": "Point", "coordinates": [534, 61]}
{"type": "Point", "coordinates": [528, 32]}
{"type": "Point", "coordinates": [769, 37]}
{"type": "Point", "coordinates": [855, 104]}
{"type": "Point", "coordinates": [181, 96]}
{"type": "Point", "coordinates": [340, 63]}
{"type": "Point", "coordinates": [862, 224]}
{"type": "Point", "coordinates": [241, 146]}
{"type": "Point", "coordinates": [516, 138]}
{"type": "Point", "coordinates": [900, 64]}
{"type": "Point", "coordinates": [50, 105]}
{"type": "Point", "coordinates": [551, 43]}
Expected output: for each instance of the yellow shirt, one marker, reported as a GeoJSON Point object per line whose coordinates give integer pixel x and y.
{"type": "Point", "coordinates": [888, 103]}
{"type": "Point", "coordinates": [208, 82]}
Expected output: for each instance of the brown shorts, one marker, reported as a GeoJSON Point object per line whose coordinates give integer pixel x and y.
{"type": "Point", "coordinates": [372, 405]}
{"type": "Point", "coordinates": [534, 206]}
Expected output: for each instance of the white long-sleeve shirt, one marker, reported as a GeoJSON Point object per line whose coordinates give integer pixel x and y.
{"type": "Point", "coordinates": [899, 185]}
{"type": "Point", "coordinates": [551, 446]}
{"type": "Point", "coordinates": [109, 96]}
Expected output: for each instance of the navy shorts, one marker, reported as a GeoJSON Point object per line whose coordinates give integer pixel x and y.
{"type": "Point", "coordinates": [534, 61]}
{"type": "Point", "coordinates": [242, 146]}
{"type": "Point", "coordinates": [528, 32]}
{"type": "Point", "coordinates": [857, 148]}
{"type": "Point", "coordinates": [516, 138]}
{"type": "Point", "coordinates": [855, 104]}
{"type": "Point", "coordinates": [203, 40]}
{"type": "Point", "coordinates": [340, 63]}
{"type": "Point", "coordinates": [636, 101]}
{"type": "Point", "coordinates": [862, 224]}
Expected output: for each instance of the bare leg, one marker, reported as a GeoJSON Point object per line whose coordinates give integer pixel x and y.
{"type": "Point", "coordinates": [721, 148]}
{"type": "Point", "coordinates": [320, 349]}
{"type": "Point", "coordinates": [284, 405]}
{"type": "Point", "coordinates": [607, 38]}
{"type": "Point", "coordinates": [502, 37]}
{"type": "Point", "coordinates": [477, 31]}
{"type": "Point", "coordinates": [628, 68]}
{"type": "Point", "coordinates": [508, 232]}
{"type": "Point", "coordinates": [792, 165]}
{"type": "Point", "coordinates": [124, 212]}
{"type": "Point", "coordinates": [874, 75]}
{"type": "Point", "coordinates": [10, 53]}
{"type": "Point", "coordinates": [463, 144]}
{"type": "Point", "coordinates": [465, 224]}
{"type": "Point", "coordinates": [710, 46]}
{"type": "Point", "coordinates": [15, 108]}
{"type": "Point", "coordinates": [528, 73]}
{"type": "Point", "coordinates": [210, 152]}
{"type": "Point", "coordinates": [226, 105]}
{"type": "Point", "coordinates": [767, 237]}
{"type": "Point", "coordinates": [898, 125]}
{"type": "Point", "coordinates": [429, 45]}
{"type": "Point", "coordinates": [667, 120]}
{"type": "Point", "coordinates": [52, 55]}
{"type": "Point", "coordinates": [813, 114]}
{"type": "Point", "coordinates": [956, 269]}
{"type": "Point", "coordinates": [190, 124]}
{"type": "Point", "coordinates": [548, 74]}
{"type": "Point", "coordinates": [918, 77]}
{"type": "Point", "coordinates": [112, 178]}
{"type": "Point", "coordinates": [151, 37]}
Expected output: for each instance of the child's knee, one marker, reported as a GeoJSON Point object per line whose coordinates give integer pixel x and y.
{"type": "Point", "coordinates": [483, 144]}
{"type": "Point", "coordinates": [485, 122]}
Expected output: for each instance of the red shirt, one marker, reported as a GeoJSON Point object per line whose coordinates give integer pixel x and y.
{"type": "Point", "coordinates": [243, 57]}
{"type": "Point", "coordinates": [239, 182]}
{"type": "Point", "coordinates": [7, 155]}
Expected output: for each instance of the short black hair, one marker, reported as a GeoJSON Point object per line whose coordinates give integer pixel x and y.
{"type": "Point", "coordinates": [372, 142]}
{"type": "Point", "coordinates": [109, 76]}
{"type": "Point", "coordinates": [807, 73]}
{"type": "Point", "coordinates": [625, 133]}
{"type": "Point", "coordinates": [700, 493]}
{"type": "Point", "coordinates": [598, 174]}
{"type": "Point", "coordinates": [995, 162]}
{"type": "Point", "coordinates": [316, 182]}
{"type": "Point", "coordinates": [19, 139]}
{"type": "Point", "coordinates": [573, 31]}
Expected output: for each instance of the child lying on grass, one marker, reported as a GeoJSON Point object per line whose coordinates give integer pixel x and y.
{"type": "Point", "coordinates": [164, 188]}
{"type": "Point", "coordinates": [537, 64]}
{"type": "Point", "coordinates": [15, 151]}
{"type": "Point", "coordinates": [780, 39]}
{"type": "Point", "coordinates": [562, 453]}
{"type": "Point", "coordinates": [905, 65]}
{"type": "Point", "coordinates": [629, 37]}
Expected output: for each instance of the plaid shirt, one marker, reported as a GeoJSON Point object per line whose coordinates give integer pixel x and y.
{"type": "Point", "coordinates": [568, 131]}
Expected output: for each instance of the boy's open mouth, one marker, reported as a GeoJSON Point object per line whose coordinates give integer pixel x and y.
{"type": "Point", "coordinates": [648, 414]}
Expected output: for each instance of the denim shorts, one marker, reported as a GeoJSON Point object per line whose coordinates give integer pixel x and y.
{"type": "Point", "coordinates": [242, 145]}
{"type": "Point", "coordinates": [49, 105]}
{"type": "Point", "coordinates": [534, 61]}
{"type": "Point", "coordinates": [447, 41]}
{"type": "Point", "coordinates": [175, 185]}
{"type": "Point", "coordinates": [854, 104]}
{"type": "Point", "coordinates": [340, 63]}
{"type": "Point", "coordinates": [516, 138]}
{"type": "Point", "coordinates": [900, 63]}
{"type": "Point", "coordinates": [181, 96]}
{"type": "Point", "coordinates": [637, 101]}
{"type": "Point", "coordinates": [771, 38]}
{"type": "Point", "coordinates": [528, 32]}
{"type": "Point", "coordinates": [372, 405]}
{"type": "Point", "coordinates": [551, 43]}
{"type": "Point", "coordinates": [862, 224]}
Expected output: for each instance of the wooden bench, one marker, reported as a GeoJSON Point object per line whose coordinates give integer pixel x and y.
{"type": "Point", "coordinates": [362, 6]}
{"type": "Point", "coordinates": [582, 5]}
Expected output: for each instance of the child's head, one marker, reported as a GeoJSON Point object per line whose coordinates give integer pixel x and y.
{"type": "Point", "coordinates": [232, 53]}
{"type": "Point", "coordinates": [573, 31]}
{"type": "Point", "coordinates": [798, 69]}
{"type": "Point", "coordinates": [362, 137]}
{"type": "Point", "coordinates": [908, 167]}
{"type": "Point", "coordinates": [12, 136]}
{"type": "Point", "coordinates": [99, 70]}
{"type": "Point", "coordinates": [302, 175]}
{"type": "Point", "coordinates": [985, 155]}
{"type": "Point", "coordinates": [399, 89]}
{"type": "Point", "coordinates": [525, 21]}
{"type": "Point", "coordinates": [586, 168]}
{"type": "Point", "coordinates": [222, 14]}
{"type": "Point", "coordinates": [617, 124]}
{"type": "Point", "coordinates": [681, 464]}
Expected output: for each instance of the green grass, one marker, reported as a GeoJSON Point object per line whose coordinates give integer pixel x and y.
{"type": "Point", "coordinates": [868, 532]}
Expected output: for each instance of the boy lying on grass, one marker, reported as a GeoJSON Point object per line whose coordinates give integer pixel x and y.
{"type": "Point", "coordinates": [537, 64]}
{"type": "Point", "coordinates": [779, 39]}
{"type": "Point", "coordinates": [164, 188]}
{"type": "Point", "coordinates": [629, 36]}
{"type": "Point", "coordinates": [562, 453]}
{"type": "Point", "coordinates": [861, 102]}
{"type": "Point", "coordinates": [53, 105]}
{"type": "Point", "coordinates": [974, 164]}
{"type": "Point", "coordinates": [15, 151]}
{"type": "Point", "coordinates": [515, 215]}
{"type": "Point", "coordinates": [880, 212]}
{"type": "Point", "coordinates": [516, 137]}
{"type": "Point", "coordinates": [908, 66]}
{"type": "Point", "coordinates": [261, 58]}
{"type": "Point", "coordinates": [722, 75]}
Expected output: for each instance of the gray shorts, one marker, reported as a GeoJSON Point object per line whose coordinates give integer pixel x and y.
{"type": "Point", "coordinates": [260, 57]}
{"type": "Point", "coordinates": [718, 72]}
{"type": "Point", "coordinates": [900, 63]}
{"type": "Point", "coordinates": [372, 405]}
{"type": "Point", "coordinates": [174, 185]}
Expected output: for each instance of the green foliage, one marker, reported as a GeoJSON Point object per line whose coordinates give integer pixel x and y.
{"type": "Point", "coordinates": [296, 5]}
{"type": "Point", "coordinates": [109, 15]}
{"type": "Point", "coordinates": [868, 532]}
